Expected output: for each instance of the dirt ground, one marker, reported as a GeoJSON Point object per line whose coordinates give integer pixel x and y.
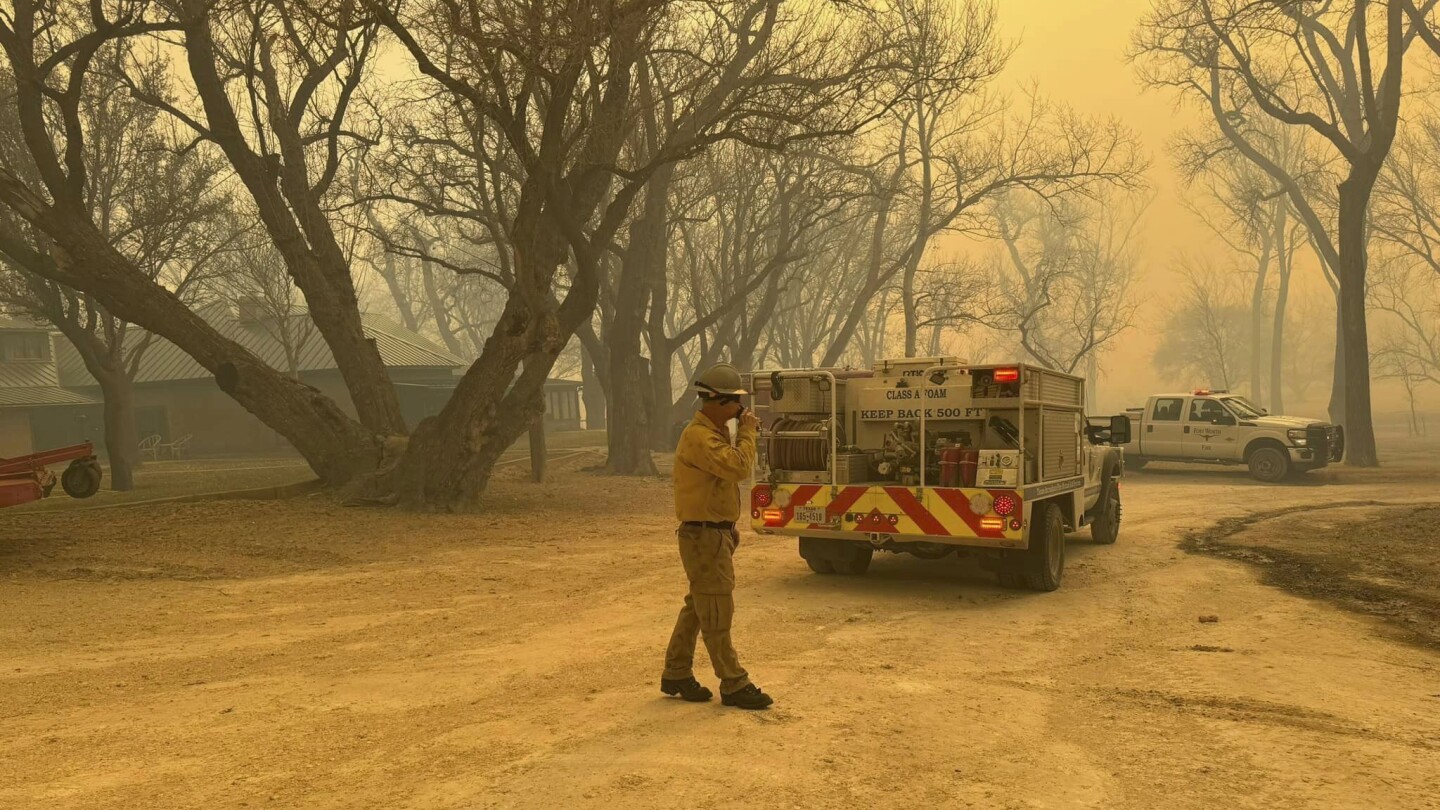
{"type": "Point", "coordinates": [303, 654]}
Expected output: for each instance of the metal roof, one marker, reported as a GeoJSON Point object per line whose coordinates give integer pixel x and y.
{"type": "Point", "coordinates": [28, 396]}
{"type": "Point", "coordinates": [27, 373]}
{"type": "Point", "coordinates": [22, 325]}
{"type": "Point", "coordinates": [163, 361]}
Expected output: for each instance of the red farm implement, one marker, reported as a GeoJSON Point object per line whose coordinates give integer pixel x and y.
{"type": "Point", "coordinates": [28, 478]}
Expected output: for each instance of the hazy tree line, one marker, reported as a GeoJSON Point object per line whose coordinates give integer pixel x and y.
{"type": "Point", "coordinates": [628, 190]}
{"type": "Point", "coordinates": [1316, 140]}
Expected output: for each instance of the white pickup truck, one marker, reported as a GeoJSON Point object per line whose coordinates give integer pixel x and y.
{"type": "Point", "coordinates": [1217, 427]}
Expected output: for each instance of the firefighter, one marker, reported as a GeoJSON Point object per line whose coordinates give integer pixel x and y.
{"type": "Point", "coordinates": [708, 470]}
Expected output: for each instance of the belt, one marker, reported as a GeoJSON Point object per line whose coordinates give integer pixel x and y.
{"type": "Point", "coordinates": [710, 524]}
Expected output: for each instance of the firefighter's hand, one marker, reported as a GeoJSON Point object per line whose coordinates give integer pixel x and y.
{"type": "Point", "coordinates": [749, 420]}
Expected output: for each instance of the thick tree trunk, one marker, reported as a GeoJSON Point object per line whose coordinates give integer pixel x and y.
{"type": "Point", "coordinates": [630, 417]}
{"type": "Point", "coordinates": [1336, 408]}
{"type": "Point", "coordinates": [662, 363]}
{"type": "Point", "coordinates": [122, 439]}
{"type": "Point", "coordinates": [662, 401]}
{"type": "Point", "coordinates": [1359, 429]}
{"type": "Point", "coordinates": [632, 405]}
{"type": "Point", "coordinates": [451, 456]}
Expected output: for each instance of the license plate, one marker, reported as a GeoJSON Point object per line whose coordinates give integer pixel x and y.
{"type": "Point", "coordinates": [810, 514]}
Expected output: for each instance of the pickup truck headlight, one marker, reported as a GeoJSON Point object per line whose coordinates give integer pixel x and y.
{"type": "Point", "coordinates": [1298, 437]}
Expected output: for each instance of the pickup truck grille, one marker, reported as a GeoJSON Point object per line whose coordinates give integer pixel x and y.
{"type": "Point", "coordinates": [1328, 441]}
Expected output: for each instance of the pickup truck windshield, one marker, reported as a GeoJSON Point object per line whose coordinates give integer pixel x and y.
{"type": "Point", "coordinates": [1243, 408]}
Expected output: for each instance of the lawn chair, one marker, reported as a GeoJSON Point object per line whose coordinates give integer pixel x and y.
{"type": "Point", "coordinates": [150, 446]}
{"type": "Point", "coordinates": [177, 447]}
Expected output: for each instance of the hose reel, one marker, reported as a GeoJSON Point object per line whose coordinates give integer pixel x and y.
{"type": "Point", "coordinates": [802, 444]}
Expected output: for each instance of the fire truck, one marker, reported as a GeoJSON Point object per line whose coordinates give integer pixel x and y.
{"type": "Point", "coordinates": [933, 456]}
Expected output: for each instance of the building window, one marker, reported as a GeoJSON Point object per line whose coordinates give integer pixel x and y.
{"type": "Point", "coordinates": [27, 346]}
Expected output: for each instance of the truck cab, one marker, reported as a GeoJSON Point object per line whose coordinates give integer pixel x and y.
{"type": "Point", "coordinates": [1217, 427]}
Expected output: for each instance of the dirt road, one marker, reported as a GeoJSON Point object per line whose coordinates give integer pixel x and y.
{"type": "Point", "coordinates": [301, 654]}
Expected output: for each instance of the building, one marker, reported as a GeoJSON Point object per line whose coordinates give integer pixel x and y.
{"type": "Point", "coordinates": [31, 396]}
{"type": "Point", "coordinates": [57, 402]}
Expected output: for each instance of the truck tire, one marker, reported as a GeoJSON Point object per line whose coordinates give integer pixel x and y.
{"type": "Point", "coordinates": [1105, 528]}
{"type": "Point", "coordinates": [820, 565]}
{"type": "Point", "coordinates": [1135, 463]}
{"type": "Point", "coordinates": [1044, 561]}
{"type": "Point", "coordinates": [826, 556]}
{"type": "Point", "coordinates": [1269, 464]}
{"type": "Point", "coordinates": [856, 565]}
{"type": "Point", "coordinates": [81, 479]}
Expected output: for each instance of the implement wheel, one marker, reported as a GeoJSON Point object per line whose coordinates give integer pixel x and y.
{"type": "Point", "coordinates": [82, 478]}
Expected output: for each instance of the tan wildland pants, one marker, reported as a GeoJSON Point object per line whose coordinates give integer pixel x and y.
{"type": "Point", "coordinates": [709, 607]}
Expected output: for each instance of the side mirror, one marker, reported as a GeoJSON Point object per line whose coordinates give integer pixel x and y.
{"type": "Point", "coordinates": [1120, 429]}
{"type": "Point", "coordinates": [1223, 420]}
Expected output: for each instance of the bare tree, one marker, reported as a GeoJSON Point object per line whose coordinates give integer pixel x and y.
{"type": "Point", "coordinates": [1204, 339]}
{"type": "Point", "coordinates": [277, 85]}
{"type": "Point", "coordinates": [1407, 295]}
{"type": "Point", "coordinates": [1312, 66]}
{"type": "Point", "coordinates": [1406, 208]}
{"type": "Point", "coordinates": [1063, 285]}
{"type": "Point", "coordinates": [1045, 151]}
{"type": "Point", "coordinates": [785, 80]}
{"type": "Point", "coordinates": [1251, 214]}
{"type": "Point", "coordinates": [151, 201]}
{"type": "Point", "coordinates": [56, 58]}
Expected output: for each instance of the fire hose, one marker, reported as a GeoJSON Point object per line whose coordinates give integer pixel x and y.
{"type": "Point", "coordinates": [802, 445]}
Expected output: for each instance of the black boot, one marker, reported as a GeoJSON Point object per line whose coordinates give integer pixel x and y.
{"type": "Point", "coordinates": [749, 697]}
{"type": "Point", "coordinates": [687, 688]}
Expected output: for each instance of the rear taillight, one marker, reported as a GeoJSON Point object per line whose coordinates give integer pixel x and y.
{"type": "Point", "coordinates": [760, 497]}
{"type": "Point", "coordinates": [1004, 505]}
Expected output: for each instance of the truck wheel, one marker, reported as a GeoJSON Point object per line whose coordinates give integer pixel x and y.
{"type": "Point", "coordinates": [1045, 558]}
{"type": "Point", "coordinates": [817, 552]}
{"type": "Point", "coordinates": [81, 479]}
{"type": "Point", "coordinates": [820, 565]}
{"type": "Point", "coordinates": [1105, 528]}
{"type": "Point", "coordinates": [1135, 463]}
{"type": "Point", "coordinates": [1269, 464]}
{"type": "Point", "coordinates": [856, 565]}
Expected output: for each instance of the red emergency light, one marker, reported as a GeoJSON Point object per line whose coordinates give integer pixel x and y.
{"type": "Point", "coordinates": [1007, 374]}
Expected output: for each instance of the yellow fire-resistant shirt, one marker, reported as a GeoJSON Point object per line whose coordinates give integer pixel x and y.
{"type": "Point", "coordinates": [707, 470]}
